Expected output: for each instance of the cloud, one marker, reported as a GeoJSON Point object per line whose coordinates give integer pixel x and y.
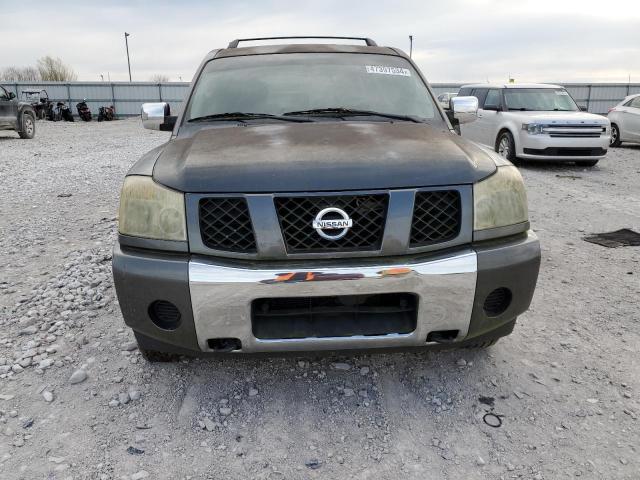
{"type": "Point", "coordinates": [455, 41]}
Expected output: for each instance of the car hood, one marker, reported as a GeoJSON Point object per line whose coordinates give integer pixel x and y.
{"type": "Point", "coordinates": [321, 156]}
{"type": "Point", "coordinates": [562, 118]}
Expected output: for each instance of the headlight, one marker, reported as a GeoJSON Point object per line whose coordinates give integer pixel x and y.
{"type": "Point", "coordinates": [150, 210]}
{"type": "Point", "coordinates": [500, 200]}
{"type": "Point", "coordinates": [532, 128]}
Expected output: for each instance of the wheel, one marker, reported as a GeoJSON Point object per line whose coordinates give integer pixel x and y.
{"type": "Point", "coordinates": [490, 338]}
{"type": "Point", "coordinates": [505, 146]}
{"type": "Point", "coordinates": [153, 356]}
{"type": "Point", "coordinates": [28, 126]}
{"type": "Point", "coordinates": [147, 347]}
{"type": "Point", "coordinates": [481, 345]}
{"type": "Point", "coordinates": [587, 163]}
{"type": "Point", "coordinates": [615, 136]}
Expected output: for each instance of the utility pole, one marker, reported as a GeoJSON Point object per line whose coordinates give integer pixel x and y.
{"type": "Point", "coordinates": [410, 45]}
{"type": "Point", "coordinates": [126, 42]}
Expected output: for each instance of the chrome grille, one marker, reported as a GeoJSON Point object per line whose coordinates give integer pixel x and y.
{"type": "Point", "coordinates": [574, 131]}
{"type": "Point", "coordinates": [281, 225]}
{"type": "Point", "coordinates": [296, 214]}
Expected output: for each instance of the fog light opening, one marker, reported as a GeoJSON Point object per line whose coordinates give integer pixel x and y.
{"type": "Point", "coordinates": [497, 302]}
{"type": "Point", "coordinates": [222, 345]}
{"type": "Point", "coordinates": [164, 315]}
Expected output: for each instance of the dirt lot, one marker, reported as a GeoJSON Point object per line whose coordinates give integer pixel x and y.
{"type": "Point", "coordinates": [566, 384]}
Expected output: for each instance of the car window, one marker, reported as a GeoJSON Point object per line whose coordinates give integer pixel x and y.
{"type": "Point", "coordinates": [3, 94]}
{"type": "Point", "coordinates": [635, 103]}
{"type": "Point", "coordinates": [493, 99]}
{"type": "Point", "coordinates": [463, 92]}
{"type": "Point", "coordinates": [280, 83]}
{"type": "Point", "coordinates": [539, 99]}
{"type": "Point", "coordinates": [480, 94]}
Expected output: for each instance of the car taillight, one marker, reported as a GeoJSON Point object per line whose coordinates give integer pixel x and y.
{"type": "Point", "coordinates": [612, 109]}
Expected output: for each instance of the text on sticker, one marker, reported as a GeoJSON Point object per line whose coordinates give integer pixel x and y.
{"type": "Point", "coordinates": [403, 72]}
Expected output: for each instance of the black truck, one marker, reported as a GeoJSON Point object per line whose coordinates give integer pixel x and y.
{"type": "Point", "coordinates": [315, 197]}
{"type": "Point", "coordinates": [15, 115]}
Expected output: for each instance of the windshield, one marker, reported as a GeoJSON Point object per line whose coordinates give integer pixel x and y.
{"type": "Point", "coordinates": [296, 82]}
{"type": "Point", "coordinates": [539, 99]}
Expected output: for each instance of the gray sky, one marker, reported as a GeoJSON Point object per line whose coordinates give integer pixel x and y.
{"type": "Point", "coordinates": [454, 40]}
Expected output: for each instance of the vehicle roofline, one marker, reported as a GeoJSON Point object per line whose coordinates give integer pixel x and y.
{"type": "Point", "coordinates": [368, 41]}
{"type": "Point", "coordinates": [511, 85]}
{"type": "Point", "coordinates": [304, 48]}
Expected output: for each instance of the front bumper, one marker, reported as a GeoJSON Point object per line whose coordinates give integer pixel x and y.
{"type": "Point", "coordinates": [543, 142]}
{"type": "Point", "coordinates": [214, 296]}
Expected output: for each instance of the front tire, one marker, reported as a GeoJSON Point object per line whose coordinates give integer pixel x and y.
{"type": "Point", "coordinates": [488, 339]}
{"type": "Point", "coordinates": [615, 136]}
{"type": "Point", "coordinates": [27, 126]}
{"type": "Point", "coordinates": [506, 146]}
{"type": "Point", "coordinates": [587, 163]}
{"type": "Point", "coordinates": [147, 347]}
{"type": "Point", "coordinates": [482, 345]}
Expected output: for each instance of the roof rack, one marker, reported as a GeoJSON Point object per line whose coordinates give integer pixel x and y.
{"type": "Point", "coordinates": [234, 43]}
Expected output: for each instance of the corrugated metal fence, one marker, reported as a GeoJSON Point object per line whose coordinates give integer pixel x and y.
{"type": "Point", "coordinates": [127, 97]}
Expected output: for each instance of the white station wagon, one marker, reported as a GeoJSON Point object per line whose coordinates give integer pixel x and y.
{"type": "Point", "coordinates": [536, 121]}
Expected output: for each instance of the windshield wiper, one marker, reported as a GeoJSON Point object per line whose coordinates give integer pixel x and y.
{"type": "Point", "coordinates": [521, 109]}
{"type": "Point", "coordinates": [242, 116]}
{"type": "Point", "coordinates": [349, 112]}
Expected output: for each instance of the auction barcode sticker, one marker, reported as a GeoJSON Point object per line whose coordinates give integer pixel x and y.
{"type": "Point", "coordinates": [403, 72]}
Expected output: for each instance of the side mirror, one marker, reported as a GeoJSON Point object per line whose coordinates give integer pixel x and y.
{"type": "Point", "coordinates": [12, 95]}
{"type": "Point", "coordinates": [157, 116]}
{"type": "Point", "coordinates": [583, 108]}
{"type": "Point", "coordinates": [465, 109]}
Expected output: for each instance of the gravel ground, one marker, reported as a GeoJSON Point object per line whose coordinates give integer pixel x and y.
{"type": "Point", "coordinates": [78, 402]}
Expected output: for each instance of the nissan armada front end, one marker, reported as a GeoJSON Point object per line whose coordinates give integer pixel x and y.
{"type": "Point", "coordinates": [315, 197]}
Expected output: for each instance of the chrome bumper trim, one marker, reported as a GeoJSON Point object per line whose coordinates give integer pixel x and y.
{"type": "Point", "coordinates": [221, 297]}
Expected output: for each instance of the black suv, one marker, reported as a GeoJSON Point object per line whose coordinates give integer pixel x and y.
{"type": "Point", "coordinates": [15, 115]}
{"type": "Point", "coordinates": [315, 197]}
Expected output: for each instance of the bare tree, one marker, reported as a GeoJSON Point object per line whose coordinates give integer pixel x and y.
{"type": "Point", "coordinates": [55, 70]}
{"type": "Point", "coordinates": [159, 78]}
{"type": "Point", "coordinates": [20, 74]}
